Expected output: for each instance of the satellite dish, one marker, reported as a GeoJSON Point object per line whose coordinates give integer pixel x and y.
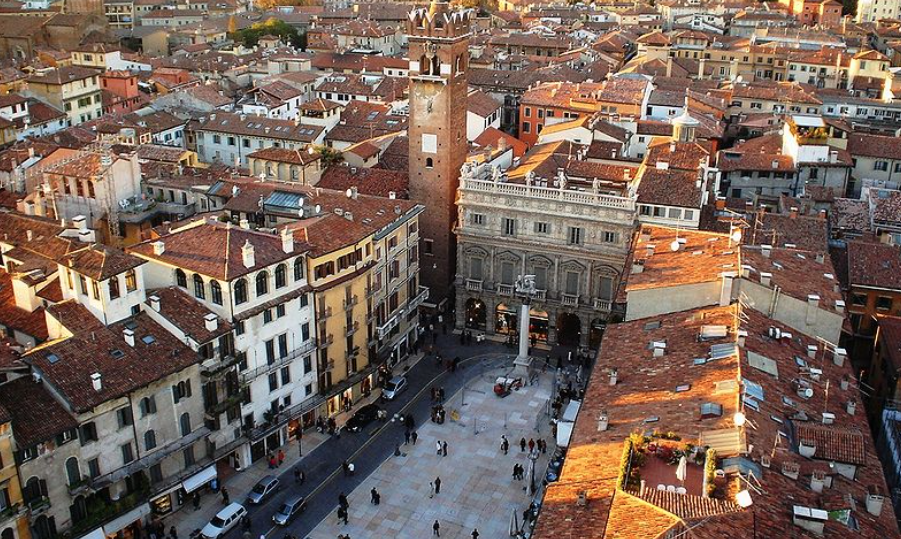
{"type": "Point", "coordinates": [318, 208]}
{"type": "Point", "coordinates": [300, 212]}
{"type": "Point", "coordinates": [349, 193]}
{"type": "Point", "coordinates": [743, 499]}
{"type": "Point", "coordinates": [674, 246]}
{"type": "Point", "coordinates": [739, 419]}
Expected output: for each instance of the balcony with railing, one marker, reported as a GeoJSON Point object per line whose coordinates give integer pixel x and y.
{"type": "Point", "coordinates": [39, 506]}
{"type": "Point", "coordinates": [352, 353]}
{"type": "Point", "coordinates": [303, 349]}
{"type": "Point", "coordinates": [541, 295]}
{"type": "Point", "coordinates": [473, 285]}
{"type": "Point", "coordinates": [570, 300]}
{"type": "Point", "coordinates": [373, 290]}
{"type": "Point", "coordinates": [390, 324]}
{"type": "Point", "coordinates": [351, 329]}
{"type": "Point", "coordinates": [505, 289]}
{"type": "Point", "coordinates": [323, 314]}
{"type": "Point", "coordinates": [349, 303]}
{"type": "Point", "coordinates": [326, 340]}
{"type": "Point", "coordinates": [602, 304]}
{"type": "Point", "coordinates": [419, 299]}
{"type": "Point", "coordinates": [218, 365]}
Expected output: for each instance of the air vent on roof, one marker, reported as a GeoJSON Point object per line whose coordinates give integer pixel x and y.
{"type": "Point", "coordinates": [713, 332]}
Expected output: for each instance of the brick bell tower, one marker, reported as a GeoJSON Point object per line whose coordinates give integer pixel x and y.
{"type": "Point", "coordinates": [439, 59]}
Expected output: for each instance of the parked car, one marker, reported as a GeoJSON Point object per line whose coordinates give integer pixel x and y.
{"type": "Point", "coordinates": [363, 417]}
{"type": "Point", "coordinates": [394, 387]}
{"type": "Point", "coordinates": [225, 520]}
{"type": "Point", "coordinates": [292, 507]}
{"type": "Point", "coordinates": [263, 489]}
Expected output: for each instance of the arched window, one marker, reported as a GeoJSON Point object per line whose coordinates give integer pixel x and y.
{"type": "Point", "coordinates": [281, 275]}
{"type": "Point", "coordinates": [185, 422]}
{"type": "Point", "coordinates": [181, 279]}
{"type": "Point", "coordinates": [199, 288]}
{"type": "Point", "coordinates": [8, 533]}
{"type": "Point", "coordinates": [147, 406]}
{"type": "Point", "coordinates": [240, 291]}
{"type": "Point", "coordinates": [429, 163]}
{"type": "Point", "coordinates": [298, 269]}
{"type": "Point", "coordinates": [73, 473]}
{"type": "Point", "coordinates": [436, 66]}
{"type": "Point", "coordinates": [424, 65]}
{"type": "Point", "coordinates": [44, 527]}
{"type": "Point", "coordinates": [216, 292]}
{"type": "Point", "coordinates": [35, 490]}
{"type": "Point", "coordinates": [262, 283]}
{"type": "Point", "coordinates": [149, 440]}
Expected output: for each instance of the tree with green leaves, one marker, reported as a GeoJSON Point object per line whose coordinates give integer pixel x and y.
{"type": "Point", "coordinates": [250, 36]}
{"type": "Point", "coordinates": [329, 156]}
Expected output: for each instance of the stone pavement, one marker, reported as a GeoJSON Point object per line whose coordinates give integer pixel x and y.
{"type": "Point", "coordinates": [477, 488]}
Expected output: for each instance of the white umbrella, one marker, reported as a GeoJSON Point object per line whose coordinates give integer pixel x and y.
{"type": "Point", "coordinates": [682, 469]}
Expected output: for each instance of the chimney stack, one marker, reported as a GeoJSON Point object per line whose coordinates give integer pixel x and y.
{"type": "Point", "coordinates": [812, 350]}
{"type": "Point", "coordinates": [154, 303]}
{"type": "Point", "coordinates": [817, 481]}
{"type": "Point", "coordinates": [613, 377]}
{"type": "Point", "coordinates": [765, 277]}
{"type": "Point", "coordinates": [793, 213]}
{"type": "Point", "coordinates": [766, 250]}
{"type": "Point", "coordinates": [247, 254]}
{"type": "Point", "coordinates": [603, 421]}
{"type": "Point", "coordinates": [874, 501]}
{"type": "Point", "coordinates": [96, 382]}
{"type": "Point", "coordinates": [838, 356]}
{"type": "Point", "coordinates": [245, 224]}
{"type": "Point", "coordinates": [851, 407]}
{"type": "Point", "coordinates": [287, 240]}
{"type": "Point", "coordinates": [211, 322]}
{"type": "Point", "coordinates": [129, 335]}
{"type": "Point", "coordinates": [159, 247]}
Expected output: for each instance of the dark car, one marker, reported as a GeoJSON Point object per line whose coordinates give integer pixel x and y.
{"type": "Point", "coordinates": [363, 417]}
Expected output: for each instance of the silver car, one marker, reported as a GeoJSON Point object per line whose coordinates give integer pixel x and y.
{"type": "Point", "coordinates": [292, 507]}
{"type": "Point", "coordinates": [262, 490]}
{"type": "Point", "coordinates": [394, 387]}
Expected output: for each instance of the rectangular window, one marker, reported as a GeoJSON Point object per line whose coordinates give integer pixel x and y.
{"type": "Point", "coordinates": [509, 226]}
{"type": "Point", "coordinates": [94, 468]}
{"type": "Point", "coordinates": [475, 268]}
{"type": "Point", "coordinates": [526, 127]}
{"type": "Point", "coordinates": [476, 219]}
{"type": "Point", "coordinates": [540, 273]}
{"type": "Point", "coordinates": [880, 165]}
{"type": "Point", "coordinates": [124, 417]}
{"type": "Point", "coordinates": [507, 271]}
{"type": "Point", "coordinates": [283, 345]}
{"type": "Point", "coordinates": [273, 381]}
{"type": "Point", "coordinates": [88, 433]}
{"type": "Point", "coordinates": [542, 228]}
{"type": "Point", "coordinates": [884, 303]}
{"type": "Point", "coordinates": [610, 237]}
{"type": "Point", "coordinates": [189, 456]}
{"type": "Point", "coordinates": [575, 235]}
{"type": "Point", "coordinates": [267, 316]}
{"type": "Point", "coordinates": [307, 365]}
{"type": "Point", "coordinates": [127, 453]}
{"type": "Point", "coordinates": [572, 283]}
{"type": "Point", "coordinates": [270, 352]}
{"type": "Point", "coordinates": [605, 288]}
{"type": "Point", "coordinates": [286, 375]}
{"type": "Point", "coordinates": [305, 332]}
{"type": "Point", "coordinates": [280, 310]}
{"type": "Point", "coordinates": [239, 328]}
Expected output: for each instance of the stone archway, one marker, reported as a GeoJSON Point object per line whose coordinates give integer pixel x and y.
{"type": "Point", "coordinates": [569, 329]}
{"type": "Point", "coordinates": [475, 315]}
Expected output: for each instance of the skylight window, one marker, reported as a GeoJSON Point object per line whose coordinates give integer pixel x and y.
{"type": "Point", "coordinates": [52, 358]}
{"type": "Point", "coordinates": [148, 339]}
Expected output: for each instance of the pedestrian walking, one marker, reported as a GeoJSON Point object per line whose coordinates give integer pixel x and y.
{"type": "Point", "coordinates": [436, 529]}
{"type": "Point", "coordinates": [272, 461]}
{"type": "Point", "coordinates": [431, 489]}
{"type": "Point", "coordinates": [505, 445]}
{"type": "Point", "coordinates": [522, 444]}
{"type": "Point", "coordinates": [406, 436]}
{"type": "Point", "coordinates": [225, 497]}
{"type": "Point", "coordinates": [438, 447]}
{"type": "Point", "coordinates": [531, 445]}
{"type": "Point", "coordinates": [342, 516]}
{"type": "Point", "coordinates": [413, 437]}
{"type": "Point", "coordinates": [475, 533]}
{"type": "Point", "coordinates": [173, 533]}
{"type": "Point", "coordinates": [342, 501]}
{"type": "Point", "coordinates": [515, 472]}
{"type": "Point", "coordinates": [281, 457]}
{"type": "Point", "coordinates": [542, 445]}
{"type": "Point", "coordinates": [443, 449]}
{"type": "Point", "coordinates": [437, 485]}
{"type": "Point", "coordinates": [196, 501]}
{"type": "Point", "coordinates": [297, 474]}
{"type": "Point", "coordinates": [346, 468]}
{"type": "Point", "coordinates": [373, 496]}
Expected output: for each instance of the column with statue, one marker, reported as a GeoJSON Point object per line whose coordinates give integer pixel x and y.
{"type": "Point", "coordinates": [525, 288]}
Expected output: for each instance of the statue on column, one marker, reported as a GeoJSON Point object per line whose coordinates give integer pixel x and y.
{"type": "Point", "coordinates": [525, 287]}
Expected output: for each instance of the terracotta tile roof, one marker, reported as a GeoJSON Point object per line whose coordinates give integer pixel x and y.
{"type": "Point", "coordinates": [369, 181]}
{"type": "Point", "coordinates": [64, 75]}
{"type": "Point", "coordinates": [780, 91]}
{"type": "Point", "coordinates": [67, 364]}
{"type": "Point", "coordinates": [877, 146]}
{"type": "Point", "coordinates": [37, 417]}
{"type": "Point", "coordinates": [99, 262]}
{"type": "Point", "coordinates": [885, 205]}
{"type": "Point", "coordinates": [678, 155]}
{"type": "Point", "coordinates": [759, 153]}
{"type": "Point", "coordinates": [16, 318]}
{"type": "Point", "coordinates": [215, 249]}
{"type": "Point", "coordinates": [850, 214]}
{"type": "Point", "coordinates": [874, 264]}
{"type": "Point", "coordinates": [285, 155]}
{"type": "Point", "coordinates": [396, 156]}
{"type": "Point", "coordinates": [669, 187]}
{"type": "Point", "coordinates": [780, 230]}
{"type": "Point", "coordinates": [797, 273]}
{"type": "Point", "coordinates": [701, 258]}
{"type": "Point", "coordinates": [840, 445]}
{"type": "Point", "coordinates": [258, 126]}
{"type": "Point", "coordinates": [686, 506]}
{"type": "Point", "coordinates": [187, 314]}
{"type": "Point", "coordinates": [492, 137]}
{"type": "Point", "coordinates": [482, 104]}
{"type": "Point", "coordinates": [52, 292]}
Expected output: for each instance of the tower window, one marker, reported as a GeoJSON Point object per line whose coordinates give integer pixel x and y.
{"type": "Point", "coordinates": [429, 163]}
{"type": "Point", "coordinates": [436, 66]}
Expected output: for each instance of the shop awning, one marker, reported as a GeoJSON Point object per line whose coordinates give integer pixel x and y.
{"type": "Point", "coordinates": [128, 518]}
{"type": "Point", "coordinates": [572, 410]}
{"type": "Point", "coordinates": [96, 534]}
{"type": "Point", "coordinates": [199, 479]}
{"type": "Point", "coordinates": [564, 432]}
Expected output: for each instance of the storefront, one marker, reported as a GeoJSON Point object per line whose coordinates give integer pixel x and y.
{"type": "Point", "coordinates": [505, 320]}
{"type": "Point", "coordinates": [538, 325]}
{"type": "Point", "coordinates": [200, 479]}
{"type": "Point", "coordinates": [127, 526]}
{"type": "Point", "coordinates": [333, 405]}
{"type": "Point", "coordinates": [475, 314]}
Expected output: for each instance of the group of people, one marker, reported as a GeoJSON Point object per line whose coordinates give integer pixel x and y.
{"type": "Point", "coordinates": [276, 459]}
{"type": "Point", "coordinates": [156, 530]}
{"type": "Point", "coordinates": [326, 425]}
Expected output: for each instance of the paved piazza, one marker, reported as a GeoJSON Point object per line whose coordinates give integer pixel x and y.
{"type": "Point", "coordinates": [477, 487]}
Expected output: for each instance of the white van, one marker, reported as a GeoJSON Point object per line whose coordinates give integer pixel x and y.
{"type": "Point", "coordinates": [224, 521]}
